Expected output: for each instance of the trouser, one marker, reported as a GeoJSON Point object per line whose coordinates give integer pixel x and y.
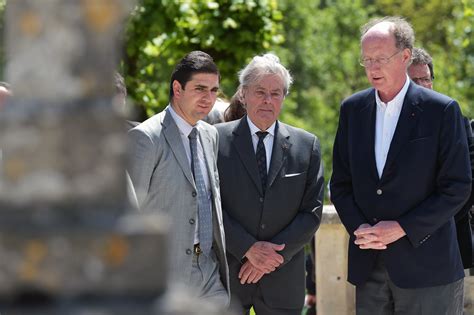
{"type": "Point", "coordinates": [379, 295]}
{"type": "Point", "coordinates": [206, 281]}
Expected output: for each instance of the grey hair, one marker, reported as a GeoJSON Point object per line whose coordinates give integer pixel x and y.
{"type": "Point", "coordinates": [421, 57]}
{"type": "Point", "coordinates": [401, 30]}
{"type": "Point", "coordinates": [261, 66]}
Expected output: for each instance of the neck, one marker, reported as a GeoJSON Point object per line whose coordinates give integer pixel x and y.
{"type": "Point", "coordinates": [177, 109]}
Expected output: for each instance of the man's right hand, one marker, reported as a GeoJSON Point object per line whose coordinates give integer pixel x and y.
{"type": "Point", "coordinates": [263, 256]}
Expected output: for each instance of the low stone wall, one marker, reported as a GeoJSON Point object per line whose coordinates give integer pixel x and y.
{"type": "Point", "coordinates": [334, 294]}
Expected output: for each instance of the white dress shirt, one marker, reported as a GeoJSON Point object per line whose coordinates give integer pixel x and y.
{"type": "Point", "coordinates": [185, 129]}
{"type": "Point", "coordinates": [267, 141]}
{"type": "Point", "coordinates": [385, 124]}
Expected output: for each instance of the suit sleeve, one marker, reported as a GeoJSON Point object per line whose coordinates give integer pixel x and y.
{"type": "Point", "coordinates": [470, 142]}
{"type": "Point", "coordinates": [342, 194]}
{"type": "Point", "coordinates": [238, 240]}
{"type": "Point", "coordinates": [302, 228]}
{"type": "Point", "coordinates": [453, 181]}
{"type": "Point", "coordinates": [142, 161]}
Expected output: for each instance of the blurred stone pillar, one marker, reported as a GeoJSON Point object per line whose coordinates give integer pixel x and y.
{"type": "Point", "coordinates": [66, 243]}
{"type": "Point", "coordinates": [333, 293]}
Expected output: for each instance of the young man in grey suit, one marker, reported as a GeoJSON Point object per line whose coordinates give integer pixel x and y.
{"type": "Point", "coordinates": [400, 174]}
{"type": "Point", "coordinates": [272, 194]}
{"type": "Point", "coordinates": [173, 169]}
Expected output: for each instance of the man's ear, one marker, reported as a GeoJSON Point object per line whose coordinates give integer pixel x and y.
{"type": "Point", "coordinates": [176, 88]}
{"type": "Point", "coordinates": [406, 55]}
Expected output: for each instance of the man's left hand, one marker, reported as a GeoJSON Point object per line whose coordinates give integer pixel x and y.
{"type": "Point", "coordinates": [384, 232]}
{"type": "Point", "coordinates": [249, 274]}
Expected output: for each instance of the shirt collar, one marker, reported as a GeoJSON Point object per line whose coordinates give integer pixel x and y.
{"type": "Point", "coordinates": [398, 99]}
{"type": "Point", "coordinates": [183, 126]}
{"type": "Point", "coordinates": [254, 129]}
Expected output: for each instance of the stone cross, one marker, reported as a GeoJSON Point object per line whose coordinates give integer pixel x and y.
{"type": "Point", "coordinates": [67, 242]}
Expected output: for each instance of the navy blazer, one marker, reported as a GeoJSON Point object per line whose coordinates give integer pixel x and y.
{"type": "Point", "coordinates": [288, 213]}
{"type": "Point", "coordinates": [425, 182]}
{"type": "Point", "coordinates": [464, 217]}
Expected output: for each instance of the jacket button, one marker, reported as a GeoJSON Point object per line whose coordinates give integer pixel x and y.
{"type": "Point", "coordinates": [379, 192]}
{"type": "Point", "coordinates": [192, 221]}
{"type": "Point", "coordinates": [194, 194]}
{"type": "Point", "coordinates": [262, 226]}
{"type": "Point", "coordinates": [188, 251]}
{"type": "Point", "coordinates": [261, 199]}
{"type": "Point", "coordinates": [374, 219]}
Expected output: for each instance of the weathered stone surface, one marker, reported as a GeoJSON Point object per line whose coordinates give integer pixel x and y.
{"type": "Point", "coordinates": [334, 294]}
{"type": "Point", "coordinates": [63, 143]}
{"type": "Point", "coordinates": [61, 50]}
{"type": "Point", "coordinates": [68, 157]}
{"type": "Point", "coordinates": [124, 259]}
{"type": "Point", "coordinates": [66, 245]}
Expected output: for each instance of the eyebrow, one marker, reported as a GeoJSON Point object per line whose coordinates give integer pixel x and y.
{"type": "Point", "coordinates": [262, 88]}
{"type": "Point", "coordinates": [205, 86]}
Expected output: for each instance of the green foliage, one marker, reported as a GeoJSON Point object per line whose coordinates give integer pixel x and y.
{"type": "Point", "coordinates": [160, 33]}
{"type": "Point", "coordinates": [321, 49]}
{"type": "Point", "coordinates": [322, 52]}
{"type": "Point", "coordinates": [445, 30]}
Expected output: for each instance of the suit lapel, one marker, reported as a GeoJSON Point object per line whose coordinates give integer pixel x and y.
{"type": "Point", "coordinates": [281, 146]}
{"type": "Point", "coordinates": [244, 147]}
{"type": "Point", "coordinates": [368, 114]}
{"type": "Point", "coordinates": [206, 143]}
{"type": "Point", "coordinates": [406, 123]}
{"type": "Point", "coordinates": [173, 137]}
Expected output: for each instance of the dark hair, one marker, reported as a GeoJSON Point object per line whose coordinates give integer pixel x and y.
{"type": "Point", "coordinates": [401, 30]}
{"type": "Point", "coordinates": [194, 62]}
{"type": "Point", "coordinates": [419, 56]}
{"type": "Point", "coordinates": [236, 109]}
{"type": "Point", "coordinates": [120, 87]}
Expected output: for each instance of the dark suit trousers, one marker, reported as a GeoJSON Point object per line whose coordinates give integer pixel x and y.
{"type": "Point", "coordinates": [253, 297]}
{"type": "Point", "coordinates": [381, 296]}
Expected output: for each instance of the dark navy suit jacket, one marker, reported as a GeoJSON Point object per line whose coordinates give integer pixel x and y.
{"type": "Point", "coordinates": [425, 182]}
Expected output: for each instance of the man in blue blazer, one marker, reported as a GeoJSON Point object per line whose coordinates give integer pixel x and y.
{"type": "Point", "coordinates": [401, 172]}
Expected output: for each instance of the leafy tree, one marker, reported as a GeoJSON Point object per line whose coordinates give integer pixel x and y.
{"type": "Point", "coordinates": [162, 32]}
{"type": "Point", "coordinates": [445, 30]}
{"type": "Point", "coordinates": [322, 51]}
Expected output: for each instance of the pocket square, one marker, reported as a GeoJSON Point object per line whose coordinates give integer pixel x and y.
{"type": "Point", "coordinates": [292, 174]}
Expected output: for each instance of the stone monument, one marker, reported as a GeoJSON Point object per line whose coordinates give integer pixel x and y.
{"type": "Point", "coordinates": [68, 244]}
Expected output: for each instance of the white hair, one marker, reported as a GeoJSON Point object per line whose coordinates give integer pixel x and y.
{"type": "Point", "coordinates": [261, 66]}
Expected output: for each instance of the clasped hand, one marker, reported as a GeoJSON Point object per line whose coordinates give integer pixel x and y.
{"type": "Point", "coordinates": [379, 235]}
{"type": "Point", "coordinates": [262, 258]}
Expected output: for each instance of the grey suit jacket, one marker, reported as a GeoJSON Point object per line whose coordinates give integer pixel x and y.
{"type": "Point", "coordinates": [163, 181]}
{"type": "Point", "coordinates": [289, 212]}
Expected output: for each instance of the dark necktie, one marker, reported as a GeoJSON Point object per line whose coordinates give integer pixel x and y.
{"type": "Point", "coordinates": [204, 205]}
{"type": "Point", "coordinates": [261, 156]}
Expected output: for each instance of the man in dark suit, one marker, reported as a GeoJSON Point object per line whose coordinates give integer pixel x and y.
{"type": "Point", "coordinates": [272, 192]}
{"type": "Point", "coordinates": [421, 71]}
{"type": "Point", "coordinates": [400, 173]}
